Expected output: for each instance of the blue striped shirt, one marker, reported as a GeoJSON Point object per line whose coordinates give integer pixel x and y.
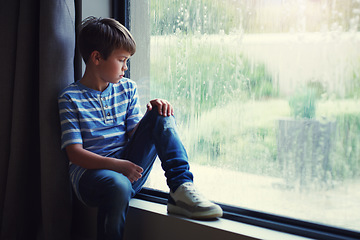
{"type": "Point", "coordinates": [99, 120]}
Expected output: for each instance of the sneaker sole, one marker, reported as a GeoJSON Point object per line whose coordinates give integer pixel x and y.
{"type": "Point", "coordinates": [172, 209]}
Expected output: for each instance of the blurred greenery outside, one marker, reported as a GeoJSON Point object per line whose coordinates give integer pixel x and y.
{"type": "Point", "coordinates": [212, 92]}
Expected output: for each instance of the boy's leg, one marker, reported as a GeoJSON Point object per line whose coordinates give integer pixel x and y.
{"type": "Point", "coordinates": [110, 192]}
{"type": "Point", "coordinates": [156, 135]}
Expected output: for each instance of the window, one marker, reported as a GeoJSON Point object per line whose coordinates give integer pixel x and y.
{"type": "Point", "coordinates": [267, 100]}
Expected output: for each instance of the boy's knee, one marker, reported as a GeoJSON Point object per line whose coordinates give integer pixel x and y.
{"type": "Point", "coordinates": [119, 188]}
{"type": "Point", "coordinates": [155, 117]}
{"type": "Point", "coordinates": [168, 122]}
{"type": "Point", "coordinates": [154, 112]}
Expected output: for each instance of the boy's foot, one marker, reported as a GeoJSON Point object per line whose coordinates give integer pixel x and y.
{"type": "Point", "coordinates": [188, 202]}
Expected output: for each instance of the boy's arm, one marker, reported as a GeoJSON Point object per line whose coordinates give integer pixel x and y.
{"type": "Point", "coordinates": [89, 160]}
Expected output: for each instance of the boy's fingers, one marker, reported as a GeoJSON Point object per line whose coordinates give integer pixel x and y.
{"type": "Point", "coordinates": [137, 176]}
{"type": "Point", "coordinates": [149, 106]}
{"type": "Point", "coordinates": [165, 109]}
{"type": "Point", "coordinates": [139, 169]}
{"type": "Point", "coordinates": [160, 106]}
{"type": "Point", "coordinates": [171, 110]}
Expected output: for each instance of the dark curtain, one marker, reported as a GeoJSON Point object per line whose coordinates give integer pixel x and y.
{"type": "Point", "coordinates": [37, 45]}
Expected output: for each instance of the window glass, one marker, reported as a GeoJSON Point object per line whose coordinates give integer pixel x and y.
{"type": "Point", "coordinates": [266, 97]}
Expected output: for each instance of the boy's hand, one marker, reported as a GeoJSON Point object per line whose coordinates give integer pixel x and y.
{"type": "Point", "coordinates": [86, 159]}
{"type": "Point", "coordinates": [129, 169]}
{"type": "Point", "coordinates": [164, 107]}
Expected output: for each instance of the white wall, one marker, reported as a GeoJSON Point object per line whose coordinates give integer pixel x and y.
{"type": "Point", "coordinates": [97, 8]}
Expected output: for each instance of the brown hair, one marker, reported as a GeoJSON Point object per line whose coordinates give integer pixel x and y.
{"type": "Point", "coordinates": [103, 35]}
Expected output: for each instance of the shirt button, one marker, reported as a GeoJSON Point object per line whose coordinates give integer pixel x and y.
{"type": "Point", "coordinates": [104, 99]}
{"type": "Point", "coordinates": [108, 114]}
{"type": "Point", "coordinates": [106, 106]}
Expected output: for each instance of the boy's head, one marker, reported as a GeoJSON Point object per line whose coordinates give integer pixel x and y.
{"type": "Point", "coordinates": [103, 35]}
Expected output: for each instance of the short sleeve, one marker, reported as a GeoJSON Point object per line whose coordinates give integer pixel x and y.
{"type": "Point", "coordinates": [69, 120]}
{"type": "Point", "coordinates": [134, 113]}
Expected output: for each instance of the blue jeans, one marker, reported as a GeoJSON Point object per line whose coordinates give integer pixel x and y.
{"type": "Point", "coordinates": [111, 191]}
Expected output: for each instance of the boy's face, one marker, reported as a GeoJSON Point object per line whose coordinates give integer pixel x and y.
{"type": "Point", "coordinates": [113, 68]}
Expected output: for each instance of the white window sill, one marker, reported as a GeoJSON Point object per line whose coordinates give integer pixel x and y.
{"type": "Point", "coordinates": [147, 220]}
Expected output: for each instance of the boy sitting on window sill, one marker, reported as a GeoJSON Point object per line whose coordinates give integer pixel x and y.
{"type": "Point", "coordinates": [111, 147]}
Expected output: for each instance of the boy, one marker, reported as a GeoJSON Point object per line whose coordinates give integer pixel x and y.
{"type": "Point", "coordinates": [111, 148]}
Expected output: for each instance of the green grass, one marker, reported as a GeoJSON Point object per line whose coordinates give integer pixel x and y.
{"type": "Point", "coordinates": [242, 136]}
{"type": "Point", "coordinates": [239, 136]}
{"type": "Point", "coordinates": [198, 74]}
{"type": "Point", "coordinates": [227, 107]}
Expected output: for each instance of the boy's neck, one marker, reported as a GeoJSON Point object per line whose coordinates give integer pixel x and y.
{"type": "Point", "coordinates": [94, 82]}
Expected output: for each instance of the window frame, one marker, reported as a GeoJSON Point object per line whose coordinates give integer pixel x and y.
{"type": "Point", "coordinates": [121, 12]}
{"type": "Point", "coordinates": [265, 220]}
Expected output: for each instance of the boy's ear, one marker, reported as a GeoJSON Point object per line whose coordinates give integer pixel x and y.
{"type": "Point", "coordinates": [95, 57]}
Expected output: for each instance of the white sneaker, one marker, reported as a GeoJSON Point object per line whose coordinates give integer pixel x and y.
{"type": "Point", "coordinates": [188, 202]}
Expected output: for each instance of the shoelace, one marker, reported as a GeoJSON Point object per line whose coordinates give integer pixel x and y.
{"type": "Point", "coordinates": [197, 197]}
